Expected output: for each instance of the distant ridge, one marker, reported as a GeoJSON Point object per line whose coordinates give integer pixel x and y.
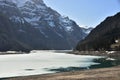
{"type": "Point", "coordinates": [103, 36]}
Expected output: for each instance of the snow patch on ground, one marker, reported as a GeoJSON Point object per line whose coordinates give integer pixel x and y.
{"type": "Point", "coordinates": [110, 59]}
{"type": "Point", "coordinates": [110, 52]}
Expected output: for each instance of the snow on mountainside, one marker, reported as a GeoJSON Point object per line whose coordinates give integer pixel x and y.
{"type": "Point", "coordinates": [87, 30]}
{"type": "Point", "coordinates": [49, 28]}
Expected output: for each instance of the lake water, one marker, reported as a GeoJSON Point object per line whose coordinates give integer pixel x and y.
{"type": "Point", "coordinates": [43, 62]}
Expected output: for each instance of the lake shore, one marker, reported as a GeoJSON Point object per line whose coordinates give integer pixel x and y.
{"type": "Point", "coordinates": [112, 73]}
{"type": "Point", "coordinates": [94, 74]}
{"type": "Point", "coordinates": [111, 54]}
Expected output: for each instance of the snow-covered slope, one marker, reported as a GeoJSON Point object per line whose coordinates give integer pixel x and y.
{"type": "Point", "coordinates": [87, 30]}
{"type": "Point", "coordinates": [57, 32]}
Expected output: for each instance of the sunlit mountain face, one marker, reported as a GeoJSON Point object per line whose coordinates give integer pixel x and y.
{"type": "Point", "coordinates": [33, 25]}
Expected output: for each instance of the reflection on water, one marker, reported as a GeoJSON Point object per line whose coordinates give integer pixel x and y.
{"type": "Point", "coordinates": [105, 63]}
{"type": "Point", "coordinates": [69, 69]}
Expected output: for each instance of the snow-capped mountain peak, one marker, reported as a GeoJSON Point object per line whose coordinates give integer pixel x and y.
{"type": "Point", "coordinates": [47, 26]}
{"type": "Point", "coordinates": [87, 30]}
{"type": "Point", "coordinates": [21, 3]}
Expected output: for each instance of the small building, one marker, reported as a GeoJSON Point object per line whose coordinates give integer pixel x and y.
{"type": "Point", "coordinates": [116, 45]}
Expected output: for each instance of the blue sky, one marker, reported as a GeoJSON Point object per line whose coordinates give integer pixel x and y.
{"type": "Point", "coordinates": [85, 12]}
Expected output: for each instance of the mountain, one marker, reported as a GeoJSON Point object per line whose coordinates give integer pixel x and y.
{"type": "Point", "coordinates": [29, 24]}
{"type": "Point", "coordinates": [87, 30]}
{"type": "Point", "coordinates": [103, 36]}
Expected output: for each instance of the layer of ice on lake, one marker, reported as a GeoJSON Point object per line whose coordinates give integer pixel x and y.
{"type": "Point", "coordinates": [38, 62]}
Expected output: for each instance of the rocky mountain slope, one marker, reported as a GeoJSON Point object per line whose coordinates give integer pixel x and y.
{"type": "Point", "coordinates": [30, 24]}
{"type": "Point", "coordinates": [103, 36]}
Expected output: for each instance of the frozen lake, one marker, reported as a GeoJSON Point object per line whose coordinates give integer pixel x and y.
{"type": "Point", "coordinates": [41, 62]}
